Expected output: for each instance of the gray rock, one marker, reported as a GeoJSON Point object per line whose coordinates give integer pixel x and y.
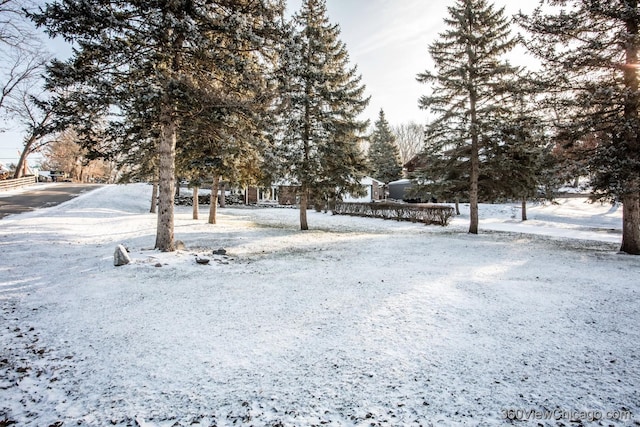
{"type": "Point", "coordinates": [220, 251]}
{"type": "Point", "coordinates": [121, 256]}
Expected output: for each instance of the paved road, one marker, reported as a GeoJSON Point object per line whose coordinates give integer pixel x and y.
{"type": "Point", "coordinates": [41, 196]}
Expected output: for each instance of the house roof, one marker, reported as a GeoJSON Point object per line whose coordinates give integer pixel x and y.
{"type": "Point", "coordinates": [367, 180]}
{"type": "Point", "coordinates": [401, 181]}
{"type": "Point", "coordinates": [417, 162]}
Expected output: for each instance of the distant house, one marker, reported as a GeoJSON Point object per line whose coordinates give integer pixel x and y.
{"type": "Point", "coordinates": [287, 192]}
{"type": "Point", "coordinates": [398, 189]}
{"type": "Point", "coordinates": [287, 195]}
{"type": "Point", "coordinates": [416, 163]}
{"type": "Point", "coordinates": [284, 192]}
{"type": "Point", "coordinates": [44, 176]}
{"type": "Point", "coordinates": [261, 195]}
{"type": "Point", "coordinates": [251, 195]}
{"type": "Point", "coordinates": [401, 190]}
{"type": "Point", "coordinates": [374, 189]}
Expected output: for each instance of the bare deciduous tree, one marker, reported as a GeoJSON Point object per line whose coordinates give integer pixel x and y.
{"type": "Point", "coordinates": [65, 154]}
{"type": "Point", "coordinates": [21, 49]}
{"type": "Point", "coordinates": [23, 60]}
{"type": "Point", "coordinates": [34, 116]}
{"type": "Point", "coordinates": [409, 139]}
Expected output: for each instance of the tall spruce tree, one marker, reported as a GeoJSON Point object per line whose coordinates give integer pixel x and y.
{"type": "Point", "coordinates": [177, 50]}
{"type": "Point", "coordinates": [445, 176]}
{"type": "Point", "coordinates": [321, 99]}
{"type": "Point", "coordinates": [590, 51]}
{"type": "Point", "coordinates": [384, 156]}
{"type": "Point", "coordinates": [519, 158]}
{"type": "Point", "coordinates": [469, 84]}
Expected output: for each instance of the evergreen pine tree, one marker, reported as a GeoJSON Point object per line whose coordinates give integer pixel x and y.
{"type": "Point", "coordinates": [221, 147]}
{"type": "Point", "coordinates": [384, 156]}
{"type": "Point", "coordinates": [170, 52]}
{"type": "Point", "coordinates": [468, 89]}
{"type": "Point", "coordinates": [321, 99]}
{"type": "Point", "coordinates": [519, 158]}
{"type": "Point", "coordinates": [590, 50]}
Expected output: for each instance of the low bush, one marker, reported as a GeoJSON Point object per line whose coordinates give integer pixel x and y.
{"type": "Point", "coordinates": [425, 213]}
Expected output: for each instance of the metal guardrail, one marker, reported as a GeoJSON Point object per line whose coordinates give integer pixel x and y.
{"type": "Point", "coordinates": [10, 184]}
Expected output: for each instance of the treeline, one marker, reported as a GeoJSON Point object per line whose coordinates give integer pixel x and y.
{"type": "Point", "coordinates": [501, 131]}
{"type": "Point", "coordinates": [234, 91]}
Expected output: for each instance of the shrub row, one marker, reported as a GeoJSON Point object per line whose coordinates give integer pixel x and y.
{"type": "Point", "coordinates": [425, 213]}
{"type": "Point", "coordinates": [205, 199]}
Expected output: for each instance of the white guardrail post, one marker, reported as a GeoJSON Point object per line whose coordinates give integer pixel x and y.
{"type": "Point", "coordinates": [10, 184]}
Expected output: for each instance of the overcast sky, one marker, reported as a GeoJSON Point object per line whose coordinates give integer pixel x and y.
{"type": "Point", "coordinates": [386, 39]}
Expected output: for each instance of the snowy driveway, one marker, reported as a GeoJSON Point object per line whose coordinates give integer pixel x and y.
{"type": "Point", "coordinates": [39, 196]}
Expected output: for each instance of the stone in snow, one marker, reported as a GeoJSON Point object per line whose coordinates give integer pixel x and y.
{"type": "Point", "coordinates": [121, 256]}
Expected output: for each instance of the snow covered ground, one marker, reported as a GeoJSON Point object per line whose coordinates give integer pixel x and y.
{"type": "Point", "coordinates": [358, 322]}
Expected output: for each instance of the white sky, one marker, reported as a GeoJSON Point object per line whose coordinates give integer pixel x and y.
{"type": "Point", "coordinates": [386, 39]}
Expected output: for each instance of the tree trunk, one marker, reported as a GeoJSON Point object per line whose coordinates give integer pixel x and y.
{"type": "Point", "coordinates": [304, 202]}
{"type": "Point", "coordinates": [475, 173]}
{"type": "Point", "coordinates": [524, 209]}
{"type": "Point", "coordinates": [223, 189]}
{"type": "Point", "coordinates": [457, 206]}
{"type": "Point", "coordinates": [473, 200]}
{"type": "Point", "coordinates": [195, 203]}
{"type": "Point", "coordinates": [167, 179]}
{"type": "Point", "coordinates": [21, 167]}
{"type": "Point", "coordinates": [154, 194]}
{"type": "Point", "coordinates": [474, 131]}
{"type": "Point", "coordinates": [631, 224]}
{"type": "Point", "coordinates": [213, 208]}
{"type": "Point", "coordinates": [631, 200]}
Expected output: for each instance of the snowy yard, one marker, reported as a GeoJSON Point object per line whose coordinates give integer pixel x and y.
{"type": "Point", "coordinates": [358, 322]}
